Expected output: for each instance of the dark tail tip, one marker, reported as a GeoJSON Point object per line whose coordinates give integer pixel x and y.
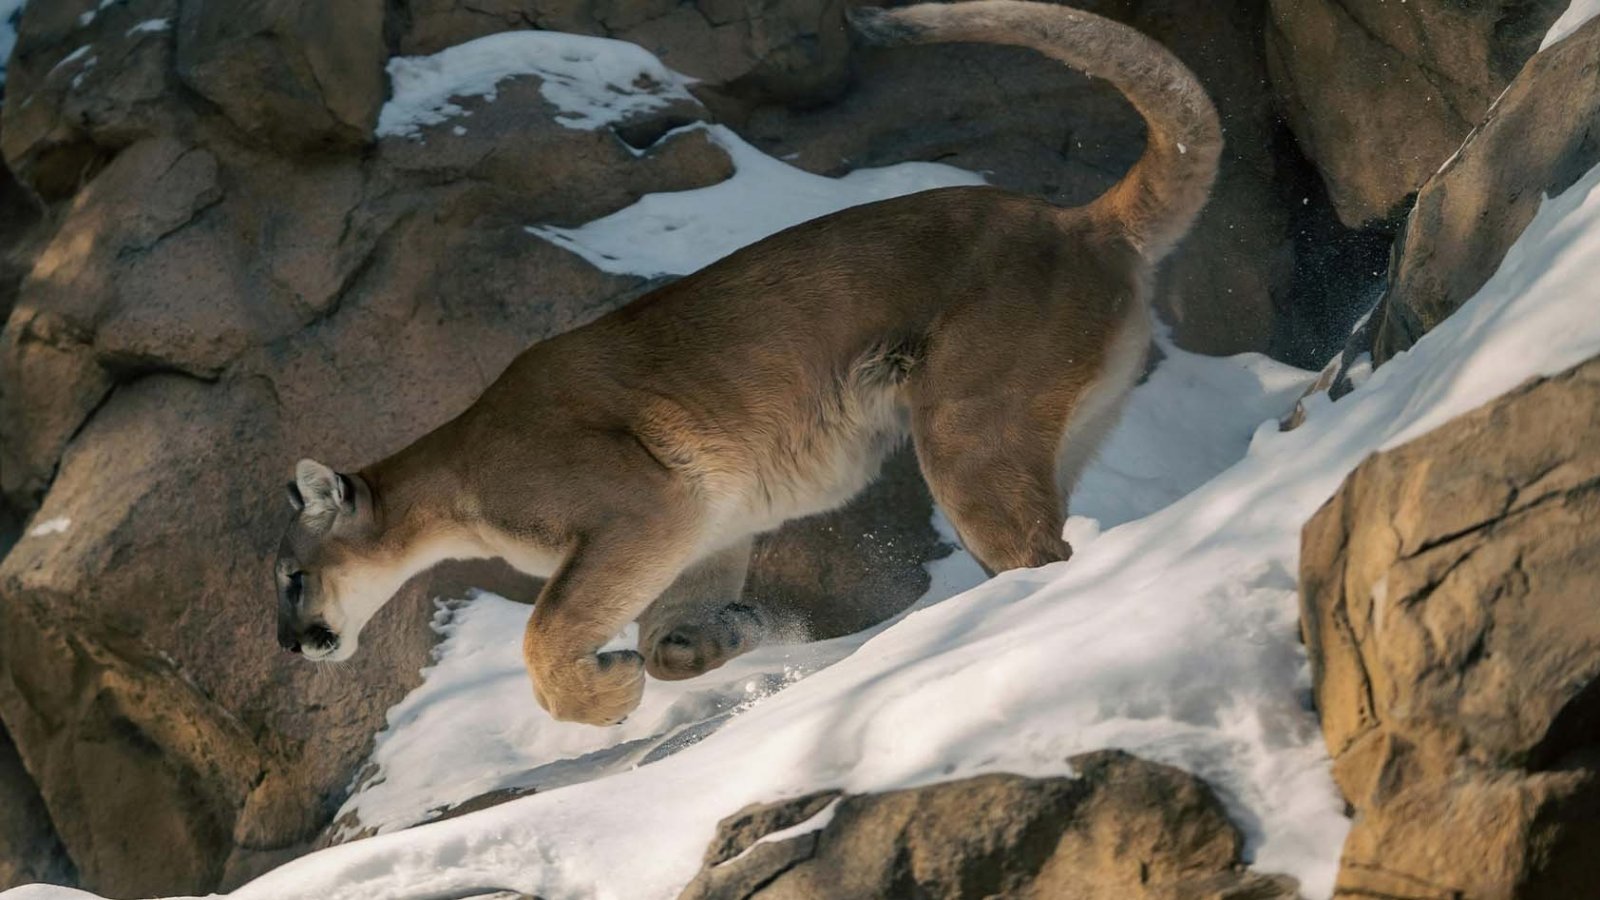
{"type": "Point", "coordinates": [878, 27]}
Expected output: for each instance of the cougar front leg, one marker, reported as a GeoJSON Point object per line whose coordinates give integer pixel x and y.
{"type": "Point", "coordinates": [698, 623]}
{"type": "Point", "coordinates": [604, 584]}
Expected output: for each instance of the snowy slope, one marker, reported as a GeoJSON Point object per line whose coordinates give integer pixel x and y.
{"type": "Point", "coordinates": [1172, 634]}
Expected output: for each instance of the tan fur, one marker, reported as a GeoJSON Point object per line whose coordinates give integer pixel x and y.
{"type": "Point", "coordinates": [631, 460]}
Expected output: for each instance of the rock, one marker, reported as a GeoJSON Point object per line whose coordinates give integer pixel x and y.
{"type": "Point", "coordinates": [1123, 828]}
{"type": "Point", "coordinates": [30, 851]}
{"type": "Point", "coordinates": [1489, 835]}
{"type": "Point", "coordinates": [298, 75]}
{"type": "Point", "coordinates": [127, 695]}
{"type": "Point", "coordinates": [85, 81]}
{"type": "Point", "coordinates": [1226, 287]}
{"type": "Point", "coordinates": [19, 233]}
{"type": "Point", "coordinates": [1538, 139]}
{"type": "Point", "coordinates": [1379, 94]}
{"type": "Point", "coordinates": [147, 272]}
{"type": "Point", "coordinates": [1449, 608]}
{"type": "Point", "coordinates": [793, 50]}
{"type": "Point", "coordinates": [549, 173]}
{"type": "Point", "coordinates": [49, 383]}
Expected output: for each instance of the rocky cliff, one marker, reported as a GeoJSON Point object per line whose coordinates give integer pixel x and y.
{"type": "Point", "coordinates": [212, 263]}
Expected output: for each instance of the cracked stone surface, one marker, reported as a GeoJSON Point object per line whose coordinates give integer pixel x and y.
{"type": "Point", "coordinates": [299, 76]}
{"type": "Point", "coordinates": [1380, 93]}
{"type": "Point", "coordinates": [1451, 609]}
{"type": "Point", "coordinates": [1121, 828]}
{"type": "Point", "coordinates": [1539, 138]}
{"type": "Point", "coordinates": [792, 50]}
{"type": "Point", "coordinates": [77, 91]}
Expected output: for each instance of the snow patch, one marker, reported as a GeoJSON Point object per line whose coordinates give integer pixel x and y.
{"type": "Point", "coordinates": [150, 26]}
{"type": "Point", "coordinates": [591, 81]}
{"type": "Point", "coordinates": [87, 19]}
{"type": "Point", "coordinates": [684, 231]}
{"type": "Point", "coordinates": [1578, 13]}
{"type": "Point", "coordinates": [818, 821]}
{"type": "Point", "coordinates": [83, 72]}
{"type": "Point", "coordinates": [48, 892]}
{"type": "Point", "coordinates": [72, 57]}
{"type": "Point", "coordinates": [57, 525]}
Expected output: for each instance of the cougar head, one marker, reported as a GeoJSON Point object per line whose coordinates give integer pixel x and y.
{"type": "Point", "coordinates": [330, 572]}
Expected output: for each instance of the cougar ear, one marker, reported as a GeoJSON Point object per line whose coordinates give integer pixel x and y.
{"type": "Point", "coordinates": [296, 500]}
{"type": "Point", "coordinates": [323, 492]}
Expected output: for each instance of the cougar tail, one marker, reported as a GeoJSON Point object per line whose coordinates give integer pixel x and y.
{"type": "Point", "coordinates": [1159, 198]}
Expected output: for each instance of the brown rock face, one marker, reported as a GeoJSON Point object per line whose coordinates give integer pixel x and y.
{"type": "Point", "coordinates": [82, 83]}
{"type": "Point", "coordinates": [1451, 607]}
{"type": "Point", "coordinates": [790, 50]}
{"type": "Point", "coordinates": [29, 848]}
{"type": "Point", "coordinates": [1537, 140]}
{"type": "Point", "coordinates": [298, 75]}
{"type": "Point", "coordinates": [1380, 93]}
{"type": "Point", "coordinates": [1124, 829]}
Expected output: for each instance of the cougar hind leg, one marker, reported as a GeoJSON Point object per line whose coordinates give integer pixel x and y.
{"type": "Point", "coordinates": [992, 469]}
{"type": "Point", "coordinates": [698, 624]}
{"type": "Point", "coordinates": [988, 433]}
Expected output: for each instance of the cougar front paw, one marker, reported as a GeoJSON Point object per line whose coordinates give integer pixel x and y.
{"type": "Point", "coordinates": [694, 648]}
{"type": "Point", "coordinates": [594, 690]}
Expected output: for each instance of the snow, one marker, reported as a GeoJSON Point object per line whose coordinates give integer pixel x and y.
{"type": "Point", "coordinates": [1171, 634]}
{"type": "Point", "coordinates": [150, 26]}
{"type": "Point", "coordinates": [47, 892]}
{"type": "Point", "coordinates": [87, 19]}
{"type": "Point", "coordinates": [72, 57]}
{"type": "Point", "coordinates": [83, 71]}
{"type": "Point", "coordinates": [816, 822]}
{"type": "Point", "coordinates": [591, 81]}
{"type": "Point", "coordinates": [57, 525]}
{"type": "Point", "coordinates": [681, 232]}
{"type": "Point", "coordinates": [1578, 13]}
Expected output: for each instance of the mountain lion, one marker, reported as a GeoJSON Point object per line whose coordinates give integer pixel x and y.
{"type": "Point", "coordinates": [632, 460]}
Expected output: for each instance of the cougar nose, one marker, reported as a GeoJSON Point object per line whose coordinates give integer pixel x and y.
{"type": "Point", "coordinates": [320, 637]}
